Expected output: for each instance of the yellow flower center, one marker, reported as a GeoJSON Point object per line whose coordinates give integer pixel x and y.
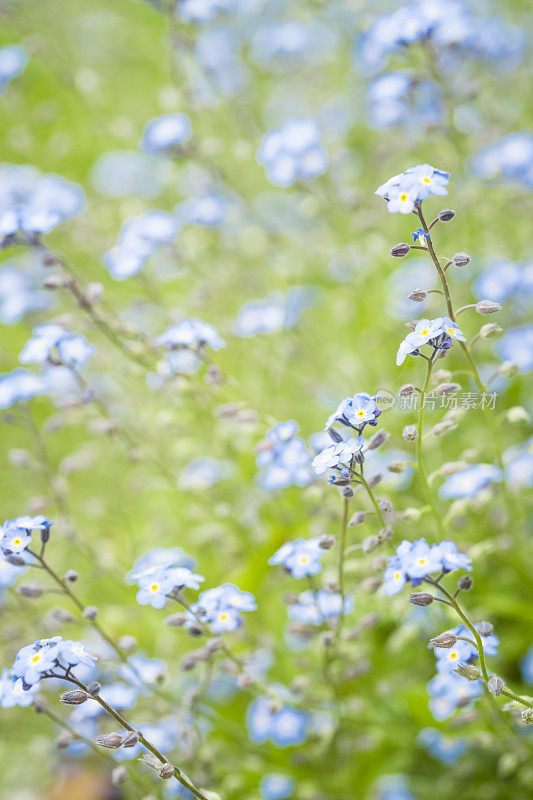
{"type": "Point", "coordinates": [450, 331]}
{"type": "Point", "coordinates": [304, 559]}
{"type": "Point", "coordinates": [398, 575]}
{"type": "Point", "coordinates": [223, 617]}
{"type": "Point", "coordinates": [403, 197]}
{"type": "Point", "coordinates": [36, 658]}
{"type": "Point", "coordinates": [425, 332]}
{"type": "Point", "coordinates": [154, 587]}
{"type": "Point", "coordinates": [421, 561]}
{"type": "Point", "coordinates": [453, 656]}
{"type": "Point", "coordinates": [426, 180]}
{"type": "Point", "coordinates": [17, 541]}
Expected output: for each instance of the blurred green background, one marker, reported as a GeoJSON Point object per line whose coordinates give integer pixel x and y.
{"type": "Point", "coordinates": [97, 73]}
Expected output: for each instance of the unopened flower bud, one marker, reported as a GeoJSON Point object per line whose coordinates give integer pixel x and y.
{"type": "Point", "coordinates": [118, 775]}
{"type": "Point", "coordinates": [19, 457]}
{"type": "Point", "coordinates": [468, 671]}
{"type": "Point", "coordinates": [406, 390]}
{"type": "Point", "coordinates": [71, 576]}
{"type": "Point", "coordinates": [465, 583]}
{"type": "Point", "coordinates": [74, 697]}
{"type": "Point", "coordinates": [213, 645]}
{"type": "Point", "coordinates": [411, 514]}
{"type": "Point", "coordinates": [94, 292]}
{"type": "Point", "coordinates": [109, 740]}
{"type": "Point", "coordinates": [127, 643]}
{"type": "Point", "coordinates": [326, 542]}
{"type": "Point", "coordinates": [447, 639]}
{"type": "Point", "coordinates": [446, 215]}
{"type": "Point", "coordinates": [93, 687]}
{"type": "Point", "coordinates": [58, 280]}
{"type": "Point", "coordinates": [410, 433]}
{"type": "Point", "coordinates": [370, 543]}
{"type": "Point", "coordinates": [443, 427]}
{"type": "Point", "coordinates": [421, 598]}
{"type": "Point", "coordinates": [509, 369]}
{"type": "Point", "coordinates": [396, 467]}
{"type": "Point", "coordinates": [377, 440]}
{"type": "Point", "coordinates": [347, 491]}
{"type": "Point", "coordinates": [485, 628]}
{"type": "Point", "coordinates": [244, 680]}
{"type": "Point", "coordinates": [61, 615]}
{"type": "Point", "coordinates": [527, 716]}
{"type": "Point", "coordinates": [400, 250]}
{"type": "Point", "coordinates": [385, 533]}
{"type": "Point", "coordinates": [490, 331]}
{"type": "Point", "coordinates": [166, 771]}
{"type": "Point", "coordinates": [31, 590]}
{"type": "Point", "coordinates": [357, 519]}
{"type": "Point", "coordinates": [130, 739]}
{"type": "Point", "coordinates": [451, 467]}
{"type": "Point", "coordinates": [417, 295]}
{"type": "Point", "coordinates": [39, 704]}
{"type": "Point", "coordinates": [447, 388]}
{"type": "Point", "coordinates": [461, 259]}
{"type": "Point", "coordinates": [495, 685]}
{"type": "Point", "coordinates": [487, 307]}
{"type": "Point", "coordinates": [175, 620]}
{"type": "Point", "coordinates": [517, 414]}
{"type": "Point", "coordinates": [63, 740]}
{"type": "Point", "coordinates": [90, 612]}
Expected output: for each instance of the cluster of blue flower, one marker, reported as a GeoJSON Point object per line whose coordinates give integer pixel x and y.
{"type": "Point", "coordinates": [283, 458]}
{"type": "Point", "coordinates": [415, 561]}
{"type": "Point", "coordinates": [439, 333]}
{"type": "Point", "coordinates": [284, 726]}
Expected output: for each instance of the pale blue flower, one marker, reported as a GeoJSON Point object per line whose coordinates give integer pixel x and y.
{"type": "Point", "coordinates": [13, 60]}
{"type": "Point", "coordinates": [19, 386]}
{"type": "Point", "coordinates": [191, 333]}
{"type": "Point", "coordinates": [516, 345]}
{"type": "Point", "coordinates": [164, 133]}
{"type": "Point", "coordinates": [293, 152]}
{"type": "Point", "coordinates": [300, 557]}
{"type": "Point", "coordinates": [276, 786]}
{"type": "Point", "coordinates": [13, 691]}
{"type": "Point", "coordinates": [286, 727]}
{"type": "Point", "coordinates": [470, 481]}
{"type": "Point", "coordinates": [315, 608]}
{"type": "Point", "coordinates": [337, 454]}
{"type": "Point", "coordinates": [446, 749]}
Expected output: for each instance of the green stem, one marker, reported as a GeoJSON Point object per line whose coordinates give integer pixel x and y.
{"type": "Point", "coordinates": [419, 438]}
{"type": "Point", "coordinates": [182, 778]}
{"type": "Point", "coordinates": [372, 497]}
{"type": "Point", "coordinates": [479, 643]}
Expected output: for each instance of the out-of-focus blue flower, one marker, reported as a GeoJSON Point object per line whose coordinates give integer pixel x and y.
{"type": "Point", "coordinates": [191, 334]}
{"type": "Point", "coordinates": [283, 459]}
{"type": "Point", "coordinates": [516, 345]}
{"type": "Point", "coordinates": [13, 691]}
{"type": "Point", "coordinates": [121, 173]}
{"type": "Point", "coordinates": [526, 666]}
{"type": "Point", "coordinates": [293, 152]}
{"type": "Point", "coordinates": [141, 671]}
{"type": "Point", "coordinates": [441, 747]}
{"type": "Point", "coordinates": [286, 727]}
{"type": "Point", "coordinates": [9, 572]}
{"type": "Point", "coordinates": [449, 691]}
{"type": "Point", "coordinates": [51, 340]}
{"type": "Point", "coordinates": [500, 281]}
{"type": "Point", "coordinates": [209, 210]}
{"type": "Point", "coordinates": [119, 695]}
{"type": "Point", "coordinates": [19, 294]}
{"type": "Point", "coordinates": [32, 204]}
{"type": "Point", "coordinates": [217, 53]}
{"type": "Point", "coordinates": [315, 608]}
{"type": "Point", "coordinates": [284, 44]}
{"type": "Point", "coordinates": [449, 25]}
{"type": "Point", "coordinates": [469, 481]}
{"type": "Point", "coordinates": [300, 557]}
{"type": "Point", "coordinates": [163, 134]}
{"type": "Point", "coordinates": [511, 159]}
{"type": "Point", "coordinates": [416, 560]}
{"type": "Point", "coordinates": [13, 60]}
{"type": "Point", "coordinates": [221, 608]}
{"type": "Point", "coordinates": [18, 387]}
{"type": "Point", "coordinates": [394, 787]}
{"type": "Point", "coordinates": [519, 465]}
{"type": "Point", "coordinates": [276, 312]}
{"type": "Point", "coordinates": [276, 786]}
{"type": "Point", "coordinates": [139, 238]}
{"type": "Point", "coordinates": [159, 558]}
{"type": "Point", "coordinates": [397, 98]}
{"type": "Point", "coordinates": [201, 473]}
